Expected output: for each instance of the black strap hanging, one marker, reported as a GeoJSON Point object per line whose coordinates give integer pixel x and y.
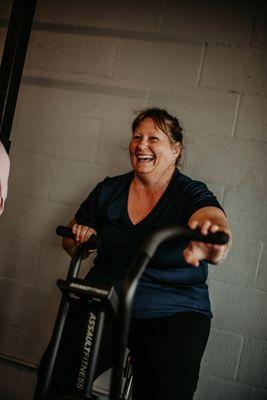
{"type": "Point", "coordinates": [12, 64]}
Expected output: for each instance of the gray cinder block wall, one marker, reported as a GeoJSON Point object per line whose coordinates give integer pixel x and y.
{"type": "Point", "coordinates": [89, 66]}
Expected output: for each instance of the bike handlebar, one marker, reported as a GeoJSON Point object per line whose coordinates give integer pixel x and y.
{"type": "Point", "coordinates": [138, 266]}
{"type": "Point", "coordinates": [156, 238]}
{"type": "Point", "coordinates": [150, 245]}
{"type": "Point", "coordinates": [92, 244]}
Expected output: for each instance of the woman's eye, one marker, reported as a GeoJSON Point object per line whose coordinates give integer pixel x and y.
{"type": "Point", "coordinates": [154, 138]}
{"type": "Point", "coordinates": [136, 137]}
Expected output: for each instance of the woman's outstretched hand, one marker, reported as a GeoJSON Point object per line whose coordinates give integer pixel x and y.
{"type": "Point", "coordinates": [197, 251]}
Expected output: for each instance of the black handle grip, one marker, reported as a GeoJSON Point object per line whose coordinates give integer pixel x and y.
{"type": "Point", "coordinates": [214, 238]}
{"type": "Point", "coordinates": [65, 231]}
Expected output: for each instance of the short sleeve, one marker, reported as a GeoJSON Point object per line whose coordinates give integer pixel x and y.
{"type": "Point", "coordinates": [88, 212]}
{"type": "Point", "coordinates": [195, 196]}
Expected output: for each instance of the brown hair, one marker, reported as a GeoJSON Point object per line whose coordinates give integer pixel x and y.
{"type": "Point", "coordinates": [165, 122]}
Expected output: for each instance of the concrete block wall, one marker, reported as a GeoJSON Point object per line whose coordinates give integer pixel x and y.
{"type": "Point", "coordinates": [88, 67]}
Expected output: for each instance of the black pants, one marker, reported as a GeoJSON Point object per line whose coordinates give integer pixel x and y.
{"type": "Point", "coordinates": [166, 355]}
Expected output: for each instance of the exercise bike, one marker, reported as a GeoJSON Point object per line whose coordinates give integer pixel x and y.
{"type": "Point", "coordinates": [83, 310]}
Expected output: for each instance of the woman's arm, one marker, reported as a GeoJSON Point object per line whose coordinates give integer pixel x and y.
{"type": "Point", "coordinates": [82, 234]}
{"type": "Point", "coordinates": [207, 219]}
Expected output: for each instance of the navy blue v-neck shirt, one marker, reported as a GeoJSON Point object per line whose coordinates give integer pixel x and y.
{"type": "Point", "coordinates": [169, 285]}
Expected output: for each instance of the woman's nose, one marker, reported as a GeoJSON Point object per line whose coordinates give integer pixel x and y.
{"type": "Point", "coordinates": [142, 143]}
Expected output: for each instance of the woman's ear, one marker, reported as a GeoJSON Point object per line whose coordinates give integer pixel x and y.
{"type": "Point", "coordinates": [177, 147]}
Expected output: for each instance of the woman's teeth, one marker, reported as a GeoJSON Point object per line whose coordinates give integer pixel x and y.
{"type": "Point", "coordinates": [145, 158]}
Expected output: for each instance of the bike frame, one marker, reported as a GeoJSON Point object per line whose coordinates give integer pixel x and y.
{"type": "Point", "coordinates": [125, 303]}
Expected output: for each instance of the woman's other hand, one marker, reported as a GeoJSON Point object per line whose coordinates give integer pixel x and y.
{"type": "Point", "coordinates": [82, 233]}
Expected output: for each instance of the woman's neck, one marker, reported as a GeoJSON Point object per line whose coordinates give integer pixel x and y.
{"type": "Point", "coordinates": [150, 182]}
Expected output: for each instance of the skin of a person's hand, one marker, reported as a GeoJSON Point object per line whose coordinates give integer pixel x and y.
{"type": "Point", "coordinates": [82, 233]}
{"type": "Point", "coordinates": [198, 251]}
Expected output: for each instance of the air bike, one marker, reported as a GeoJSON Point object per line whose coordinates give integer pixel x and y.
{"type": "Point", "coordinates": [72, 357]}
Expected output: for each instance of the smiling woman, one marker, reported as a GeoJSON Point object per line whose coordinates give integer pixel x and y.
{"type": "Point", "coordinates": [171, 313]}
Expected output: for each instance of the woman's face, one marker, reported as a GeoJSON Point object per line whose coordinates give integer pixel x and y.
{"type": "Point", "coordinates": [151, 151]}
